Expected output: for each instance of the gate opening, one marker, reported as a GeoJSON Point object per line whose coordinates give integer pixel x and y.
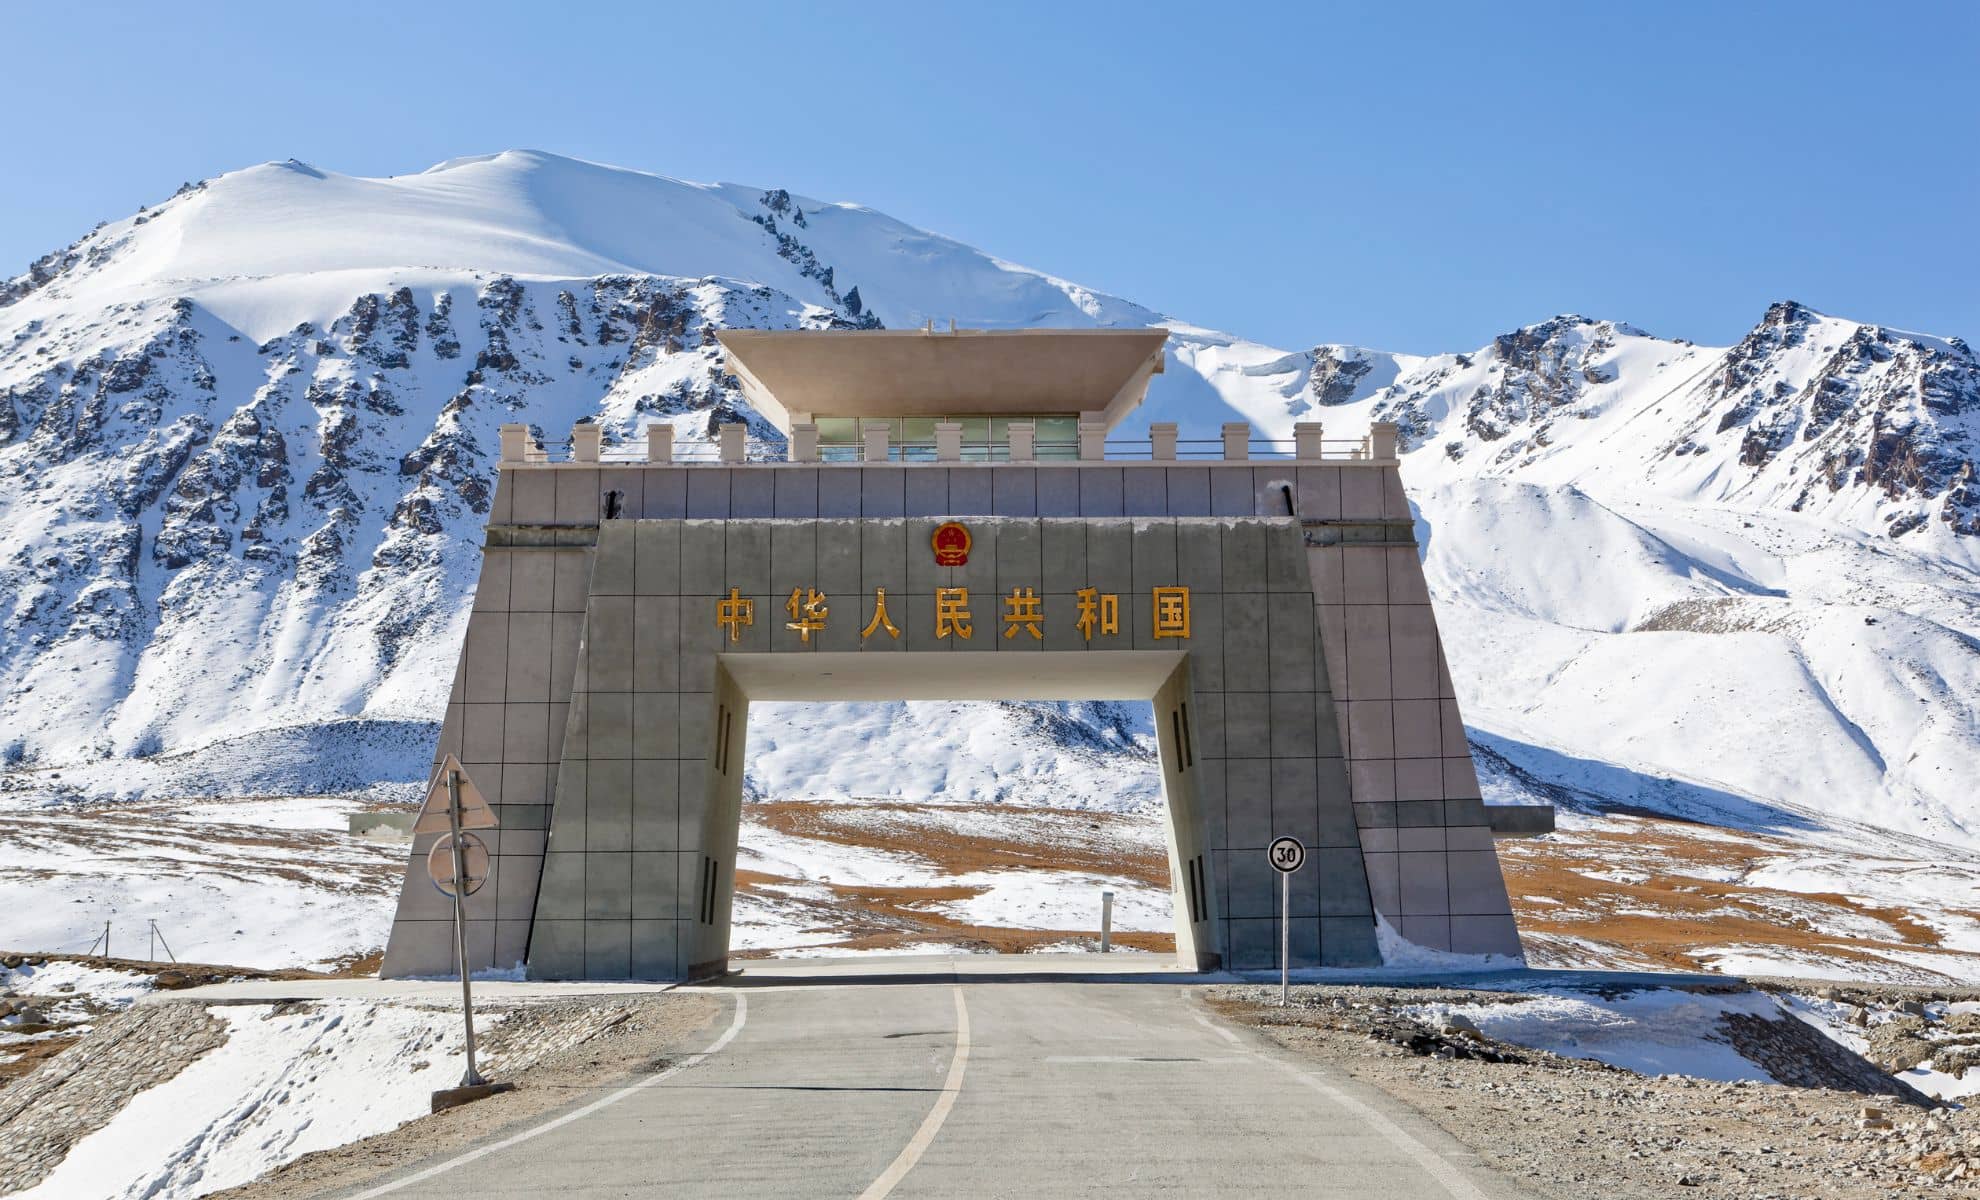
{"type": "Point", "coordinates": [907, 827]}
{"type": "Point", "coordinates": [915, 868]}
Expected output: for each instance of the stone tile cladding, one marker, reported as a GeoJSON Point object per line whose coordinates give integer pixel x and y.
{"type": "Point", "coordinates": [1331, 701]}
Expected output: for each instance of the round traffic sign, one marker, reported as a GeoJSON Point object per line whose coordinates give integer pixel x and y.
{"type": "Point", "coordinates": [474, 861]}
{"type": "Point", "coordinates": [1287, 855]}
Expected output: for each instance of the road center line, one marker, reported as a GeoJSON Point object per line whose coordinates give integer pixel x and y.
{"type": "Point", "coordinates": [931, 1124]}
{"type": "Point", "coordinates": [728, 1035]}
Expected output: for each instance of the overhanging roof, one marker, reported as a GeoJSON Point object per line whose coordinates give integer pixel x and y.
{"type": "Point", "coordinates": [919, 373]}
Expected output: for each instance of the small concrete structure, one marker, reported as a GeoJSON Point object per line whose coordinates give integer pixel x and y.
{"type": "Point", "coordinates": [1267, 600]}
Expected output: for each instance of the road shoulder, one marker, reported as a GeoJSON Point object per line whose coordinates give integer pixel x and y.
{"type": "Point", "coordinates": [1562, 1127]}
{"type": "Point", "coordinates": [640, 1036]}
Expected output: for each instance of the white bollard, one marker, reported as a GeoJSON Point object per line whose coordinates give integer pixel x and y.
{"type": "Point", "coordinates": [1106, 922]}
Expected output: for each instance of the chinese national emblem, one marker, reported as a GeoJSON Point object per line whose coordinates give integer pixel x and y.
{"type": "Point", "coordinates": [951, 542]}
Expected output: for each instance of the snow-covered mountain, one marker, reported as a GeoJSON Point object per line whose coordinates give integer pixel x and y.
{"type": "Point", "coordinates": [246, 439]}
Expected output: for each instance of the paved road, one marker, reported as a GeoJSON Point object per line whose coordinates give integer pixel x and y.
{"type": "Point", "coordinates": [975, 1089]}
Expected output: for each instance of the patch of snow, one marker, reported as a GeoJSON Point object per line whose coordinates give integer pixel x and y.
{"type": "Point", "coordinates": [58, 980]}
{"type": "Point", "coordinates": [1057, 900]}
{"type": "Point", "coordinates": [1401, 954]}
{"type": "Point", "coordinates": [1655, 1031]}
{"type": "Point", "coordinates": [284, 1084]}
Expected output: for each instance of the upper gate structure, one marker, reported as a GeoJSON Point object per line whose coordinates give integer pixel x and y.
{"type": "Point", "coordinates": [947, 520]}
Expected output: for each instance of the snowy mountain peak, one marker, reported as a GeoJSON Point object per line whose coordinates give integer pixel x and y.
{"type": "Point", "coordinates": [246, 439]}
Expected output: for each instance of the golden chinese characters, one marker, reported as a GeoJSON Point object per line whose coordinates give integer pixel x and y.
{"type": "Point", "coordinates": [808, 612]}
{"type": "Point", "coordinates": [1021, 609]}
{"type": "Point", "coordinates": [952, 613]}
{"type": "Point", "coordinates": [735, 613]}
{"type": "Point", "coordinates": [1171, 612]}
{"type": "Point", "coordinates": [1098, 610]}
{"type": "Point", "coordinates": [879, 620]}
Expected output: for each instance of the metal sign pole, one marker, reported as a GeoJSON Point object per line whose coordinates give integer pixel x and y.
{"type": "Point", "coordinates": [473, 1077]}
{"type": "Point", "coordinates": [1286, 856]}
{"type": "Point", "coordinates": [1285, 940]}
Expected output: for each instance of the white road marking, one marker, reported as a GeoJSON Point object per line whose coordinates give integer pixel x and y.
{"type": "Point", "coordinates": [932, 1123]}
{"type": "Point", "coordinates": [1144, 1059]}
{"type": "Point", "coordinates": [1215, 1028]}
{"type": "Point", "coordinates": [728, 1035]}
{"type": "Point", "coordinates": [1448, 1176]}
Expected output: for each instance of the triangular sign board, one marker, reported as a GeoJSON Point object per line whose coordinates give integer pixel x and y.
{"type": "Point", "coordinates": [475, 813]}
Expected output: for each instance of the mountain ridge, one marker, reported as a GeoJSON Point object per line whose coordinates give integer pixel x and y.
{"type": "Point", "coordinates": [243, 466]}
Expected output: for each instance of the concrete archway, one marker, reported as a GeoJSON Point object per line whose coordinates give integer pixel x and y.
{"type": "Point", "coordinates": [602, 694]}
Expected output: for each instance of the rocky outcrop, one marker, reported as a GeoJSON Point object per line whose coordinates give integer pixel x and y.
{"type": "Point", "coordinates": [1337, 374]}
{"type": "Point", "coordinates": [778, 203]}
{"type": "Point", "coordinates": [1881, 410]}
{"type": "Point", "coordinates": [1795, 1053]}
{"type": "Point", "coordinates": [78, 1091]}
{"type": "Point", "coordinates": [346, 464]}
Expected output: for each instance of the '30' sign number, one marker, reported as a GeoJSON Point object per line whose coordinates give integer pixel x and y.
{"type": "Point", "coordinates": [1287, 855]}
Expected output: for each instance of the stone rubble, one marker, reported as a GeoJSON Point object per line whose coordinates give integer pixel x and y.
{"type": "Point", "coordinates": [78, 1091]}
{"type": "Point", "coordinates": [1575, 1128]}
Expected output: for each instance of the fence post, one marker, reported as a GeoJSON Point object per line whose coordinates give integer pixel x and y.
{"type": "Point", "coordinates": [1024, 440]}
{"type": "Point", "coordinates": [515, 443]}
{"type": "Point", "coordinates": [874, 433]}
{"type": "Point", "coordinates": [659, 443]}
{"type": "Point", "coordinates": [1382, 439]}
{"type": "Point", "coordinates": [1237, 440]}
{"type": "Point", "coordinates": [1092, 440]}
{"type": "Point", "coordinates": [1307, 441]}
{"type": "Point", "coordinates": [948, 441]}
{"type": "Point", "coordinates": [803, 442]}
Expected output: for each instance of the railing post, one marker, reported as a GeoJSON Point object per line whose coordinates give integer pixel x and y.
{"type": "Point", "coordinates": [586, 438]}
{"type": "Point", "coordinates": [874, 434]}
{"type": "Point", "coordinates": [948, 441]}
{"type": "Point", "coordinates": [1162, 441]}
{"type": "Point", "coordinates": [1092, 441]}
{"type": "Point", "coordinates": [1024, 440]}
{"type": "Point", "coordinates": [1237, 440]}
{"type": "Point", "coordinates": [1382, 439]}
{"type": "Point", "coordinates": [659, 443]}
{"type": "Point", "coordinates": [734, 446]}
{"type": "Point", "coordinates": [515, 443]}
{"type": "Point", "coordinates": [803, 442]}
{"type": "Point", "coordinates": [1306, 440]}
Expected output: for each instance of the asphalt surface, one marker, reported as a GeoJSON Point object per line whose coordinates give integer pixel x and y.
{"type": "Point", "coordinates": [974, 1088]}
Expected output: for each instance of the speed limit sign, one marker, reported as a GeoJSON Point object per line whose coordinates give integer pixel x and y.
{"type": "Point", "coordinates": [1287, 855]}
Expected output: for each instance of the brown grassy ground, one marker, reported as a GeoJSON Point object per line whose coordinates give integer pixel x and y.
{"type": "Point", "coordinates": [1689, 901]}
{"type": "Point", "coordinates": [878, 918]}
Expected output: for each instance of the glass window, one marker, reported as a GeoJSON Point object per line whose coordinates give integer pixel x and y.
{"type": "Point", "coordinates": [838, 431]}
{"type": "Point", "coordinates": [1058, 437]}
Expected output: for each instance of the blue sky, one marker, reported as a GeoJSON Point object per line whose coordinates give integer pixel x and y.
{"type": "Point", "coordinates": [1411, 177]}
